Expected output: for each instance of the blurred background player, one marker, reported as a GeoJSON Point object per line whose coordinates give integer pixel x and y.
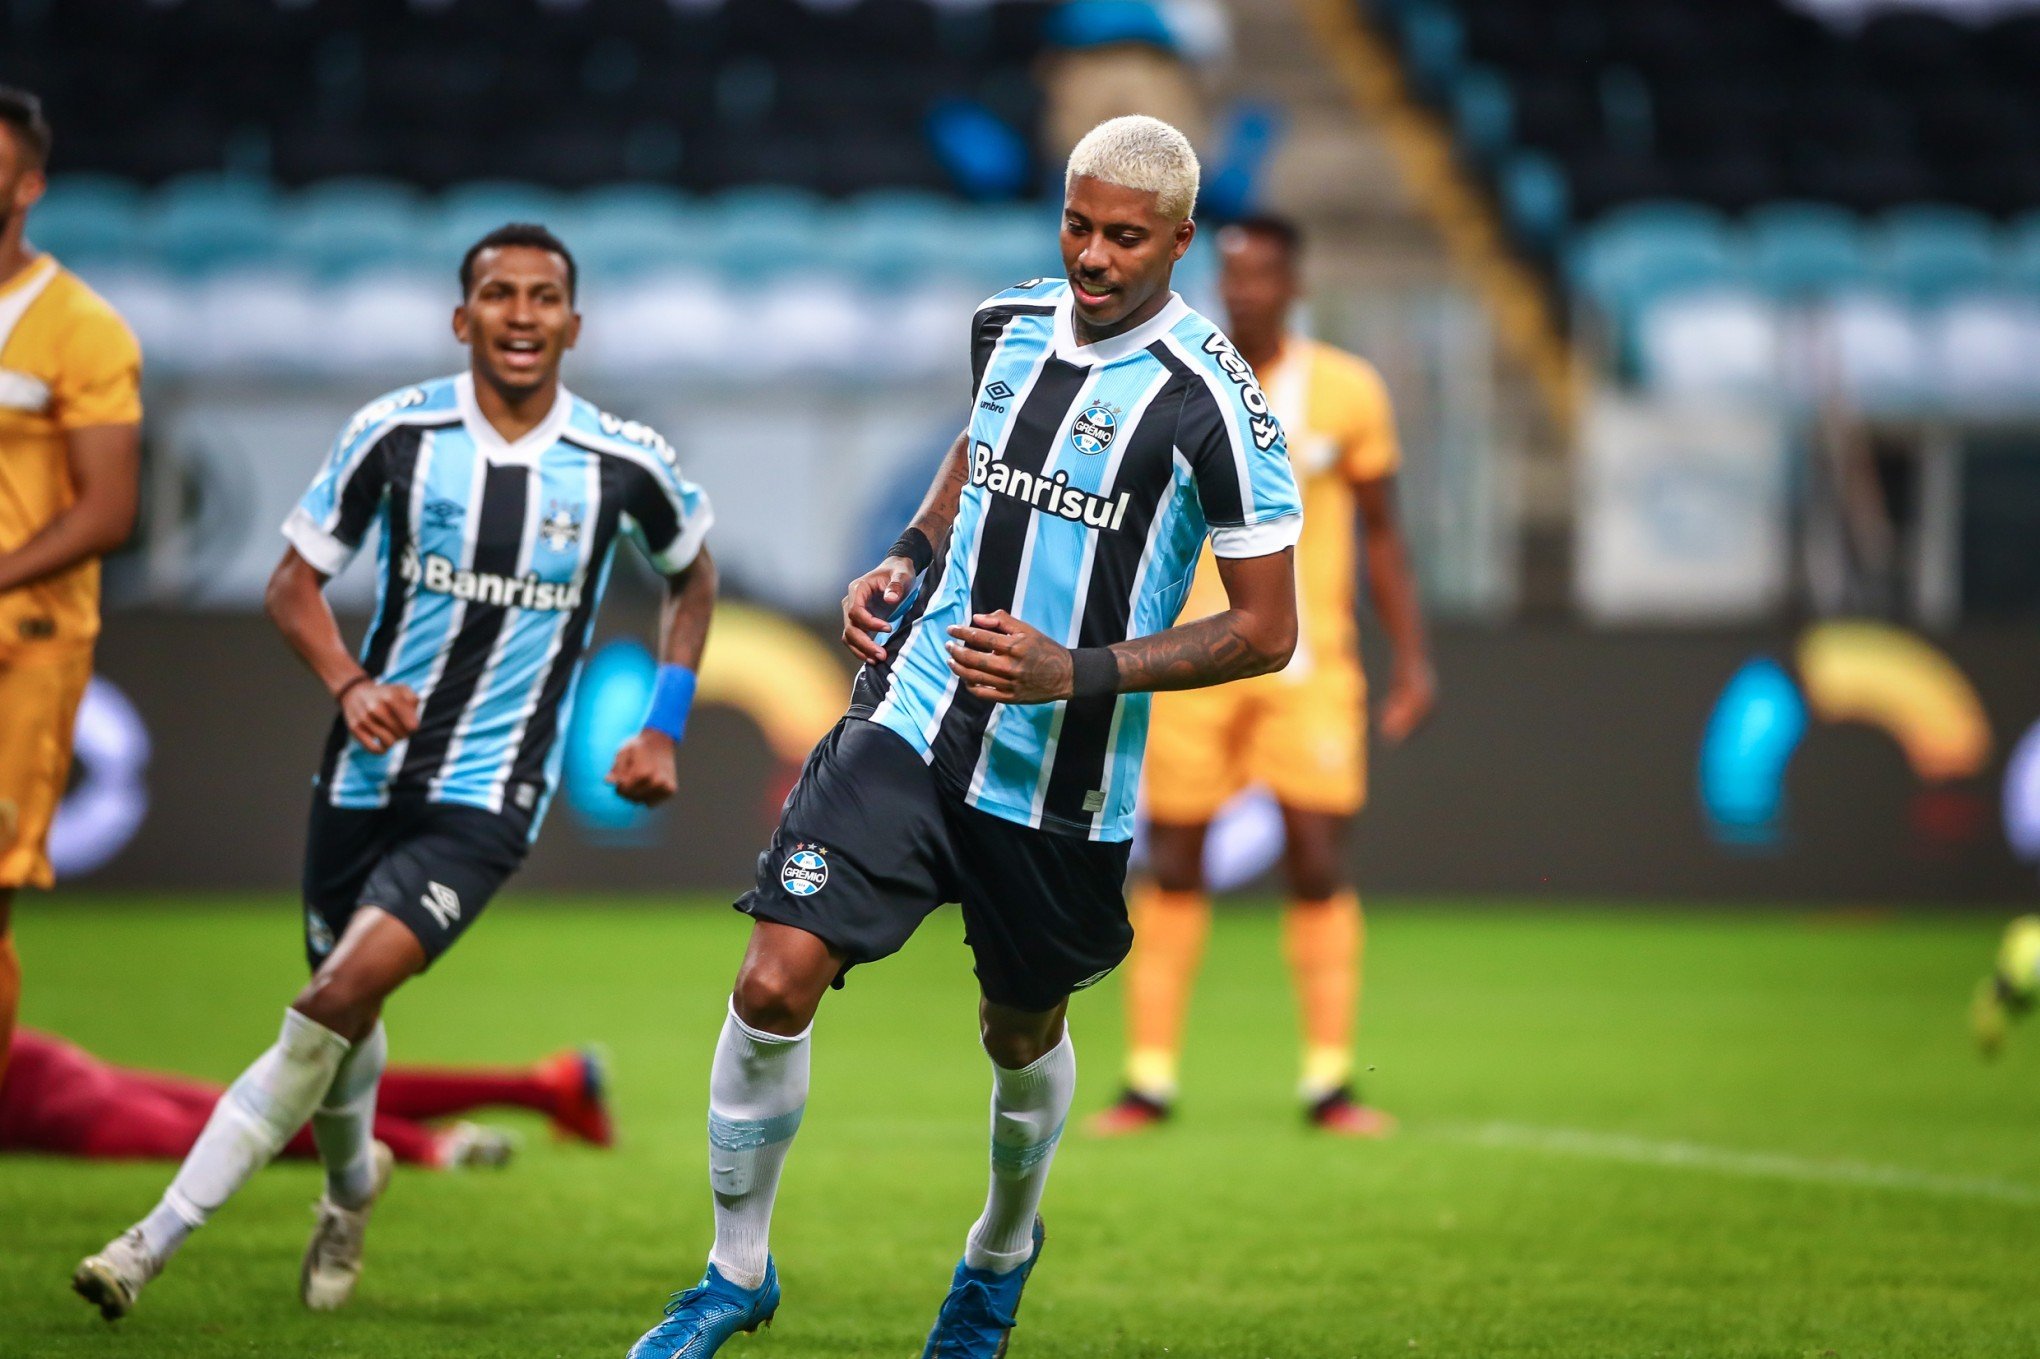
{"type": "Point", "coordinates": [60, 1100]}
{"type": "Point", "coordinates": [1300, 733]}
{"type": "Point", "coordinates": [70, 447]}
{"type": "Point", "coordinates": [2007, 994]}
{"type": "Point", "coordinates": [501, 497]}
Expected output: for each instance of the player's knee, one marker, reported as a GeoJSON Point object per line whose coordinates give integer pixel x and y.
{"type": "Point", "coordinates": [771, 996]}
{"type": "Point", "coordinates": [1013, 1045]}
{"type": "Point", "coordinates": [342, 1000]}
{"type": "Point", "coordinates": [1315, 879]}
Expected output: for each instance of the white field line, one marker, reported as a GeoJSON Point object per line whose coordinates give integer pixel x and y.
{"type": "Point", "coordinates": [1762, 1165]}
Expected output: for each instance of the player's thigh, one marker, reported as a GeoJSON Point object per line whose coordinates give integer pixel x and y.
{"type": "Point", "coordinates": [1310, 747]}
{"type": "Point", "coordinates": [1195, 752]}
{"type": "Point", "coordinates": [440, 873]}
{"type": "Point", "coordinates": [40, 689]}
{"type": "Point", "coordinates": [343, 845]}
{"type": "Point", "coordinates": [857, 858]}
{"type": "Point", "coordinates": [1044, 914]}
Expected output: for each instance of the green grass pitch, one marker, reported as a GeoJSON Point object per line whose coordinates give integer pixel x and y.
{"type": "Point", "coordinates": [1625, 1133]}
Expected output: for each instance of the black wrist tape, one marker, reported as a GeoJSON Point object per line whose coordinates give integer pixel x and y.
{"type": "Point", "coordinates": [1094, 672]}
{"type": "Point", "coordinates": [915, 547]}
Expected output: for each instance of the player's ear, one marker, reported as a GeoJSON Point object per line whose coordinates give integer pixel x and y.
{"type": "Point", "coordinates": [460, 323]}
{"type": "Point", "coordinates": [1186, 232]}
{"type": "Point", "coordinates": [573, 334]}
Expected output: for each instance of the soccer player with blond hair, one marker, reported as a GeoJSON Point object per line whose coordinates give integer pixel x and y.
{"type": "Point", "coordinates": [1011, 641]}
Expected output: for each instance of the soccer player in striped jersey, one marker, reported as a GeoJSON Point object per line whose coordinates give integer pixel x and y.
{"type": "Point", "coordinates": [501, 497]}
{"type": "Point", "coordinates": [992, 751]}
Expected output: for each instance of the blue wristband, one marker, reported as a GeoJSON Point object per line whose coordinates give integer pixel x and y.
{"type": "Point", "coordinates": [672, 696]}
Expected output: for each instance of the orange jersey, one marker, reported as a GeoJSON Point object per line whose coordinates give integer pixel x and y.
{"type": "Point", "coordinates": [67, 361]}
{"type": "Point", "coordinates": [1334, 409]}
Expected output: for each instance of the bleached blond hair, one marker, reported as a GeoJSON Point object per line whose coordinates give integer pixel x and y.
{"type": "Point", "coordinates": [1139, 152]}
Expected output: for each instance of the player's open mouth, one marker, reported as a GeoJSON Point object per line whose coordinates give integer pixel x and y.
{"type": "Point", "coordinates": [521, 353]}
{"type": "Point", "coordinates": [1089, 295]}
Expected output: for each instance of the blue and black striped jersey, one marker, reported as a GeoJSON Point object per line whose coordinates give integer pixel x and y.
{"type": "Point", "coordinates": [1096, 473]}
{"type": "Point", "coordinates": [491, 565]}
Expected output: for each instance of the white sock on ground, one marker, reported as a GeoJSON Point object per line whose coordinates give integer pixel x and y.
{"type": "Point", "coordinates": [344, 1123]}
{"type": "Point", "coordinates": [1028, 1109]}
{"type": "Point", "coordinates": [260, 1111]}
{"type": "Point", "coordinates": [756, 1092]}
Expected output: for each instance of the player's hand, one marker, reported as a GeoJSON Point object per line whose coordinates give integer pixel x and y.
{"type": "Point", "coordinates": [379, 715]}
{"type": "Point", "coordinates": [888, 583]}
{"type": "Point", "coordinates": [1412, 694]}
{"type": "Point", "coordinates": [645, 771]}
{"type": "Point", "coordinates": [1007, 661]}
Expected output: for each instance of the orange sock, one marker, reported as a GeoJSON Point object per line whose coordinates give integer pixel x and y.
{"type": "Point", "coordinates": [1169, 929]}
{"type": "Point", "coordinates": [1324, 941]}
{"type": "Point", "coordinates": [10, 997]}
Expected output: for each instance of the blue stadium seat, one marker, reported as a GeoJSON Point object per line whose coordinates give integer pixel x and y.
{"type": "Point", "coordinates": [760, 231]}
{"type": "Point", "coordinates": [628, 230]}
{"type": "Point", "coordinates": [88, 219]}
{"type": "Point", "coordinates": [340, 226]}
{"type": "Point", "coordinates": [1434, 42]}
{"type": "Point", "coordinates": [199, 223]}
{"type": "Point", "coordinates": [1649, 248]}
{"type": "Point", "coordinates": [1484, 112]}
{"type": "Point", "coordinates": [1004, 245]}
{"type": "Point", "coordinates": [1535, 199]}
{"type": "Point", "coordinates": [1801, 249]}
{"type": "Point", "coordinates": [2022, 253]}
{"type": "Point", "coordinates": [1931, 251]}
{"type": "Point", "coordinates": [467, 212]}
{"type": "Point", "coordinates": [892, 234]}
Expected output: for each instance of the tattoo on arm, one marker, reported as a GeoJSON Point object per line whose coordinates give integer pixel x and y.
{"type": "Point", "coordinates": [1209, 651]}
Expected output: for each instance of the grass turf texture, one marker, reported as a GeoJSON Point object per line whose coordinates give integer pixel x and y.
{"type": "Point", "coordinates": [1624, 1134]}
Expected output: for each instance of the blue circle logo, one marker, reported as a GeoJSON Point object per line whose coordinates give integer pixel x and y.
{"type": "Point", "coordinates": [805, 872]}
{"type": "Point", "coordinates": [1094, 429]}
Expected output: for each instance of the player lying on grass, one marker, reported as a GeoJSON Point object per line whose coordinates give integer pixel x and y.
{"type": "Point", "coordinates": [501, 497]}
{"type": "Point", "coordinates": [1302, 733]}
{"type": "Point", "coordinates": [993, 746]}
{"type": "Point", "coordinates": [60, 1100]}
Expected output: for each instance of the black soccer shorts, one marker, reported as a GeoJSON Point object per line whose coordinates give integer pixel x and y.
{"type": "Point", "coordinates": [869, 843]}
{"type": "Point", "coordinates": [432, 865]}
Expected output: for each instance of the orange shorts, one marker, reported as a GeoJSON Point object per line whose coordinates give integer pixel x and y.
{"type": "Point", "coordinates": [40, 688]}
{"type": "Point", "coordinates": [1303, 738]}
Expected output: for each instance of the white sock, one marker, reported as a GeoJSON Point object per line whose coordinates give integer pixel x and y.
{"type": "Point", "coordinates": [260, 1111]}
{"type": "Point", "coordinates": [344, 1123]}
{"type": "Point", "coordinates": [756, 1092]}
{"type": "Point", "coordinates": [1028, 1109]}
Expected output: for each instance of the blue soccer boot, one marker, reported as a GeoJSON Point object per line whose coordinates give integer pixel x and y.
{"type": "Point", "coordinates": [982, 1308]}
{"type": "Point", "coordinates": [701, 1319]}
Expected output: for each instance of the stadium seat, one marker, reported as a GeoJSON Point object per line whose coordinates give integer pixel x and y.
{"type": "Point", "coordinates": [678, 319]}
{"type": "Point", "coordinates": [467, 212]}
{"type": "Point", "coordinates": [1535, 199]}
{"type": "Point", "coordinates": [260, 321]}
{"type": "Point", "coordinates": [628, 230]}
{"type": "Point", "coordinates": [2022, 254]}
{"type": "Point", "coordinates": [87, 220]}
{"type": "Point", "coordinates": [1983, 352]}
{"type": "Point", "coordinates": [1932, 251]}
{"type": "Point", "coordinates": [1713, 342]}
{"type": "Point", "coordinates": [762, 230]}
{"type": "Point", "coordinates": [1869, 347]}
{"type": "Point", "coordinates": [1648, 248]}
{"type": "Point", "coordinates": [1483, 113]}
{"type": "Point", "coordinates": [891, 235]}
{"type": "Point", "coordinates": [1798, 249]}
{"type": "Point", "coordinates": [198, 223]}
{"type": "Point", "coordinates": [343, 225]}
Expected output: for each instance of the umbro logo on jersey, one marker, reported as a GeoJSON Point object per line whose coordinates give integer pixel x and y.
{"type": "Point", "coordinates": [442, 513]}
{"type": "Point", "coordinates": [998, 391]}
{"type": "Point", "coordinates": [443, 902]}
{"type": "Point", "coordinates": [439, 575]}
{"type": "Point", "coordinates": [1264, 426]}
{"type": "Point", "coordinates": [1051, 495]}
{"type": "Point", "coordinates": [561, 527]}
